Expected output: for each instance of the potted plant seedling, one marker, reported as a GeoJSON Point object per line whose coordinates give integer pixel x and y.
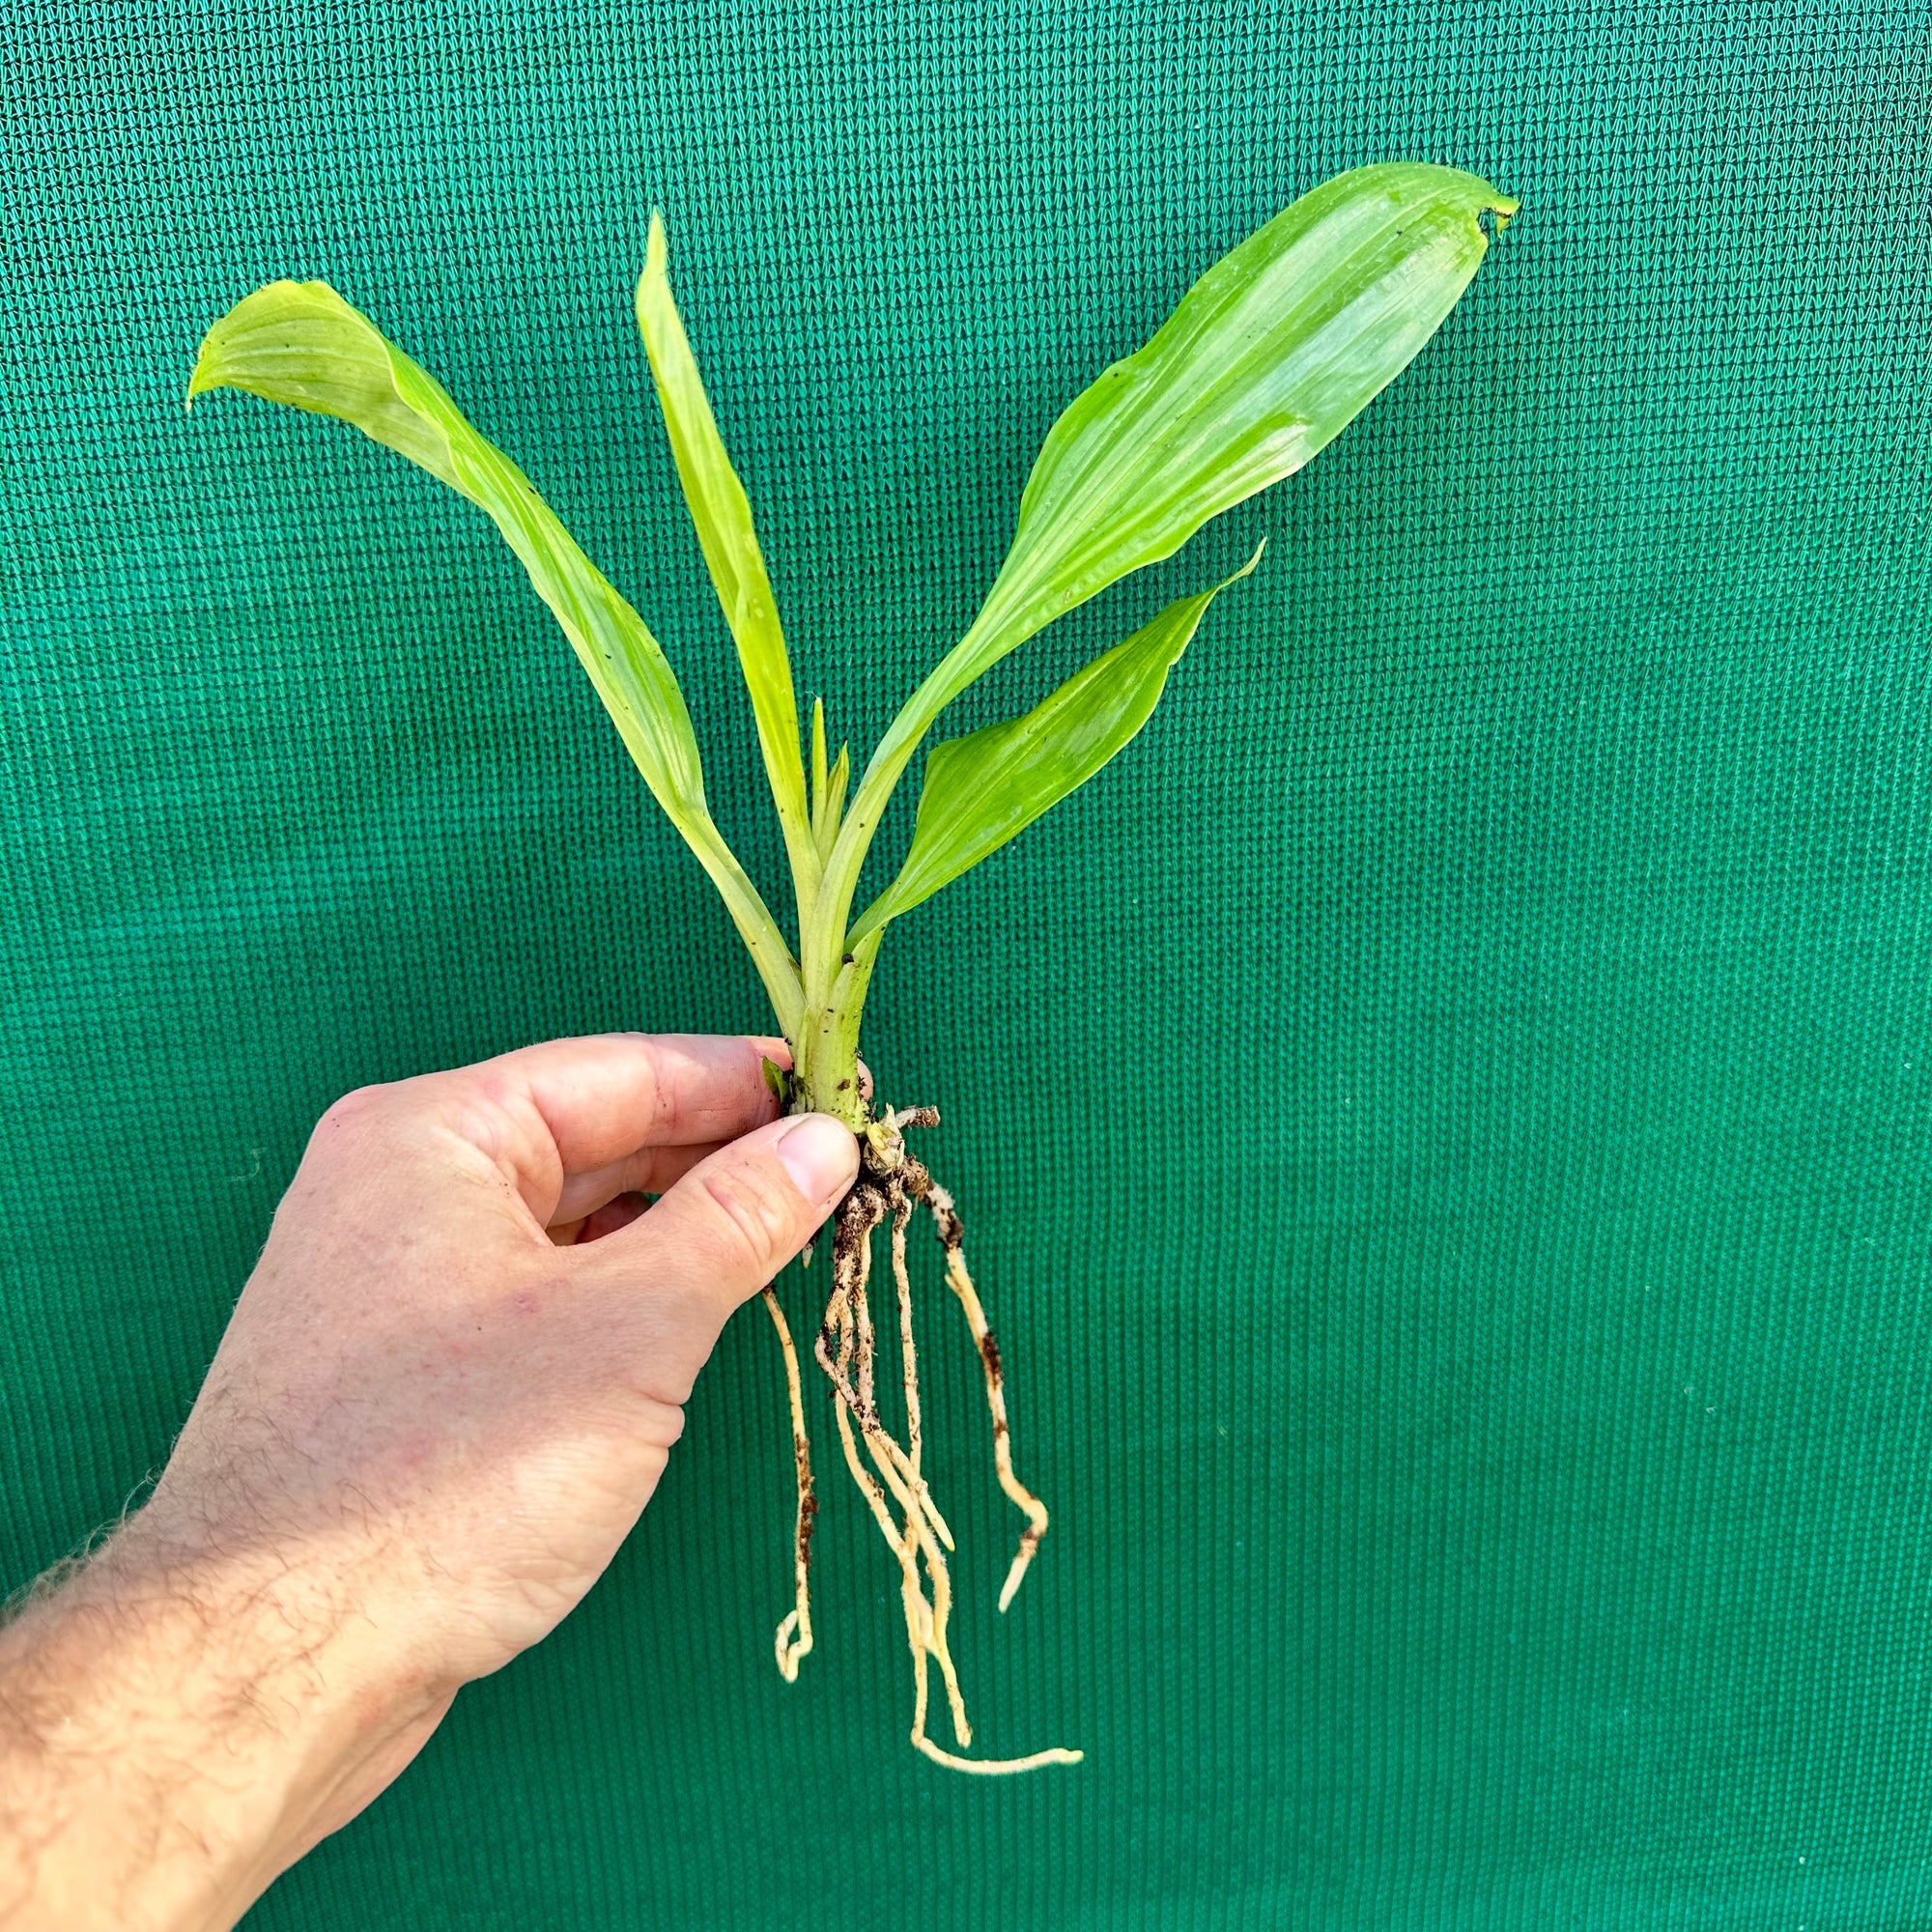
{"type": "Point", "coordinates": [1267, 356]}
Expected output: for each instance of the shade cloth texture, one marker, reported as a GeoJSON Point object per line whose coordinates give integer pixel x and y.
{"type": "Point", "coordinates": [1442, 1122]}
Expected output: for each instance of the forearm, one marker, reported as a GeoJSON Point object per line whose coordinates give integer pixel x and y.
{"type": "Point", "coordinates": [177, 1726]}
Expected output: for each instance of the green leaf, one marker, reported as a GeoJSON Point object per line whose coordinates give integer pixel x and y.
{"type": "Point", "coordinates": [301, 344]}
{"type": "Point", "coordinates": [828, 787]}
{"type": "Point", "coordinates": [1267, 358]}
{"type": "Point", "coordinates": [781, 1082]}
{"type": "Point", "coordinates": [723, 516]}
{"type": "Point", "coordinates": [987, 787]}
{"type": "Point", "coordinates": [817, 758]}
{"type": "Point", "coordinates": [832, 796]}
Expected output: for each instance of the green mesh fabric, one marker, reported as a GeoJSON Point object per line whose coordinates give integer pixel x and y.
{"type": "Point", "coordinates": [1441, 1123]}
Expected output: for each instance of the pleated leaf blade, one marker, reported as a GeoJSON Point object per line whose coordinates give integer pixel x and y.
{"type": "Point", "coordinates": [984, 789]}
{"type": "Point", "coordinates": [722, 515]}
{"type": "Point", "coordinates": [1266, 359]}
{"type": "Point", "coordinates": [301, 344]}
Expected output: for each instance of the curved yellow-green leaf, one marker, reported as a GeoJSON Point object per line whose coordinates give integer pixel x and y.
{"type": "Point", "coordinates": [988, 786]}
{"type": "Point", "coordinates": [825, 821]}
{"type": "Point", "coordinates": [722, 517]}
{"type": "Point", "coordinates": [300, 343]}
{"type": "Point", "coordinates": [1267, 358]}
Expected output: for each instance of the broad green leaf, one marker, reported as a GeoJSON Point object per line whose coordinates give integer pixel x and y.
{"type": "Point", "coordinates": [988, 786]}
{"type": "Point", "coordinates": [1267, 358]}
{"type": "Point", "coordinates": [722, 517]}
{"type": "Point", "coordinates": [301, 344]}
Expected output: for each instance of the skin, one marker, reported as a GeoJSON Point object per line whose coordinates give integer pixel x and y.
{"type": "Point", "coordinates": [445, 1394]}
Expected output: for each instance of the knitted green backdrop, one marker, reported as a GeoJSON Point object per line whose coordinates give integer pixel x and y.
{"type": "Point", "coordinates": [1443, 1120]}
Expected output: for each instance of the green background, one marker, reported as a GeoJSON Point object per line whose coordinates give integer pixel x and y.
{"type": "Point", "coordinates": [1443, 1121]}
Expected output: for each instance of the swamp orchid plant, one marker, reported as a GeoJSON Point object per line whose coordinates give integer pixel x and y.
{"type": "Point", "coordinates": [1267, 358]}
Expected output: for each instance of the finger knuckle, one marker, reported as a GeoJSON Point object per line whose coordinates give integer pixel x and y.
{"type": "Point", "coordinates": [355, 1110]}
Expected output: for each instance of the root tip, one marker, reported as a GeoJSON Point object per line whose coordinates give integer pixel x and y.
{"type": "Point", "coordinates": [789, 1652]}
{"type": "Point", "coordinates": [1022, 1559]}
{"type": "Point", "coordinates": [994, 1767]}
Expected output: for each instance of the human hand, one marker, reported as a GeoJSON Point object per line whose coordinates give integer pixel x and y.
{"type": "Point", "coordinates": [433, 1381]}
{"type": "Point", "coordinates": [447, 1391]}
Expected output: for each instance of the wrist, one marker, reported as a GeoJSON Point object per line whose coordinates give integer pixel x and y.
{"type": "Point", "coordinates": [179, 1724]}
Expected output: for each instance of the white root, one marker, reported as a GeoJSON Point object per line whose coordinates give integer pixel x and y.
{"type": "Point", "coordinates": [952, 1238]}
{"type": "Point", "coordinates": [925, 1622]}
{"type": "Point", "coordinates": [794, 1633]}
{"type": "Point", "coordinates": [893, 1185]}
{"type": "Point", "coordinates": [908, 1356]}
{"type": "Point", "coordinates": [903, 1478]}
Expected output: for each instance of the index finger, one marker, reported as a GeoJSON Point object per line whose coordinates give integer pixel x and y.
{"type": "Point", "coordinates": [568, 1105]}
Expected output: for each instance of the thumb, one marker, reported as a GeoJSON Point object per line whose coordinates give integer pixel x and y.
{"type": "Point", "coordinates": [731, 1223]}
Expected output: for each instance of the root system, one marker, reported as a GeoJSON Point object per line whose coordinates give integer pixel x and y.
{"type": "Point", "coordinates": [893, 1186]}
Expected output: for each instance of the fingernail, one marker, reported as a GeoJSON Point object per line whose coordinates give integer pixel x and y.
{"type": "Point", "coordinates": [820, 1155]}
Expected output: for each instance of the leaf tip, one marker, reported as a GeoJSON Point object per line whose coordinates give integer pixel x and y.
{"type": "Point", "coordinates": [203, 377]}
{"type": "Point", "coordinates": [1246, 568]}
{"type": "Point", "coordinates": [1493, 215]}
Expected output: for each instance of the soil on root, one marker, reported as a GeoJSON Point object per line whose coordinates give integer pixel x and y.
{"type": "Point", "coordinates": [893, 1185]}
